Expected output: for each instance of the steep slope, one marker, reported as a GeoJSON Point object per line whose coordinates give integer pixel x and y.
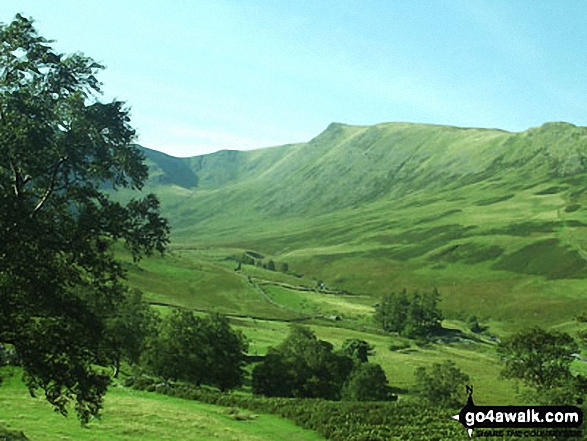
{"type": "Point", "coordinates": [347, 165]}
{"type": "Point", "coordinates": [168, 170]}
{"type": "Point", "coordinates": [496, 220]}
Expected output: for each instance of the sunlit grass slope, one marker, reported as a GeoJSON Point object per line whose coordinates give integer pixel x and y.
{"type": "Point", "coordinates": [133, 415]}
{"type": "Point", "coordinates": [495, 220]}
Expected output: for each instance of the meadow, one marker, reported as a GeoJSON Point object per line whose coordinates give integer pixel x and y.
{"type": "Point", "coordinates": [130, 415]}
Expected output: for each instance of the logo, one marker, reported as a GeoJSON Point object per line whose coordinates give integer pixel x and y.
{"type": "Point", "coordinates": [558, 420]}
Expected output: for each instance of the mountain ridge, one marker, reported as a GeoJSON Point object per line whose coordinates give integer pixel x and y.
{"type": "Point", "coordinates": [482, 214]}
{"type": "Point", "coordinates": [395, 157]}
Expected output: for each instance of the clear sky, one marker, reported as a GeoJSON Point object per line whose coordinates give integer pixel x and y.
{"type": "Point", "coordinates": [201, 76]}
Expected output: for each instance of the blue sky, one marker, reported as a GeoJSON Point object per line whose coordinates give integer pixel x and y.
{"type": "Point", "coordinates": [201, 76]}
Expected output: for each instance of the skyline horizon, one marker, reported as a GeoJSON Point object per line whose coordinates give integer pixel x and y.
{"type": "Point", "coordinates": [365, 125]}
{"type": "Point", "coordinates": [222, 74]}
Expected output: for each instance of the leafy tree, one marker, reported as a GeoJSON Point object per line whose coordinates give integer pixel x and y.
{"type": "Point", "coordinates": [127, 332]}
{"type": "Point", "coordinates": [392, 312]}
{"type": "Point", "coordinates": [424, 317]}
{"type": "Point", "coordinates": [271, 265]}
{"type": "Point", "coordinates": [59, 149]}
{"type": "Point", "coordinates": [540, 359]}
{"type": "Point", "coordinates": [179, 351]}
{"type": "Point", "coordinates": [226, 353]}
{"type": "Point", "coordinates": [417, 316]}
{"type": "Point", "coordinates": [442, 384]}
{"type": "Point", "coordinates": [284, 267]}
{"type": "Point", "coordinates": [302, 366]}
{"type": "Point", "coordinates": [358, 350]}
{"type": "Point", "coordinates": [198, 350]}
{"type": "Point", "coordinates": [276, 376]}
{"type": "Point", "coordinates": [367, 382]}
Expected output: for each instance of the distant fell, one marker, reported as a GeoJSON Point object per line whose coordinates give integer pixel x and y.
{"type": "Point", "coordinates": [497, 221]}
{"type": "Point", "coordinates": [348, 165]}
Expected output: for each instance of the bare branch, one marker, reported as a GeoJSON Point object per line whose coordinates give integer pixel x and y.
{"type": "Point", "coordinates": [50, 187]}
{"type": "Point", "coordinates": [16, 182]}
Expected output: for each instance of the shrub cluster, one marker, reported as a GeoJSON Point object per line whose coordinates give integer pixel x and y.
{"type": "Point", "coordinates": [252, 258]}
{"type": "Point", "coordinates": [303, 366]}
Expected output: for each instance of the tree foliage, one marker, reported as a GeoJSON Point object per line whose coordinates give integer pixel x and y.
{"type": "Point", "coordinates": [198, 350]}
{"type": "Point", "coordinates": [59, 281]}
{"type": "Point", "coordinates": [303, 366]}
{"type": "Point", "coordinates": [540, 358]}
{"type": "Point", "coordinates": [415, 316]}
{"type": "Point", "coordinates": [392, 312]}
{"type": "Point", "coordinates": [358, 350]}
{"type": "Point", "coordinates": [226, 353]}
{"type": "Point", "coordinates": [128, 331]}
{"type": "Point", "coordinates": [443, 384]}
{"type": "Point", "coordinates": [367, 382]}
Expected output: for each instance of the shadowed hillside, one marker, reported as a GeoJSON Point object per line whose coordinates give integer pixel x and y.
{"type": "Point", "coordinates": [495, 220]}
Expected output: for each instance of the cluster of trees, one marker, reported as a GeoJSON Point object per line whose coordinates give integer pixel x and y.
{"type": "Point", "coordinates": [200, 350]}
{"type": "Point", "coordinates": [414, 316]}
{"type": "Point", "coordinates": [303, 366]}
{"type": "Point", "coordinates": [251, 258]}
{"type": "Point", "coordinates": [179, 346]}
{"type": "Point", "coordinates": [539, 359]}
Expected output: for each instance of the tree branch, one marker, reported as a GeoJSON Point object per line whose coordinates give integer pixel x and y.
{"type": "Point", "coordinates": [16, 184]}
{"type": "Point", "coordinates": [50, 187]}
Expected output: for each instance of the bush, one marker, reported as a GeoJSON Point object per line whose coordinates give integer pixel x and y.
{"type": "Point", "coordinates": [367, 382]}
{"type": "Point", "coordinates": [399, 345]}
{"type": "Point", "coordinates": [442, 384]}
{"type": "Point", "coordinates": [474, 325]}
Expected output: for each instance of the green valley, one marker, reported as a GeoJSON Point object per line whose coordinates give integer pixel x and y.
{"type": "Point", "coordinates": [495, 220]}
{"type": "Point", "coordinates": [318, 233]}
{"type": "Point", "coordinates": [392, 281]}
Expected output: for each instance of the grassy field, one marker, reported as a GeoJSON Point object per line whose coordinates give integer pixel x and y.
{"type": "Point", "coordinates": [134, 415]}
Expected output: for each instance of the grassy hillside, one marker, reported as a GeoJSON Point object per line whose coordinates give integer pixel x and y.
{"type": "Point", "coordinates": [134, 415]}
{"type": "Point", "coordinates": [495, 220]}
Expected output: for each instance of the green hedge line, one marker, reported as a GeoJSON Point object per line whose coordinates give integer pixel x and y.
{"type": "Point", "coordinates": [335, 420]}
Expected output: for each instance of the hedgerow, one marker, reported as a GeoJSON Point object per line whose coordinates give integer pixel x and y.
{"type": "Point", "coordinates": [334, 420]}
